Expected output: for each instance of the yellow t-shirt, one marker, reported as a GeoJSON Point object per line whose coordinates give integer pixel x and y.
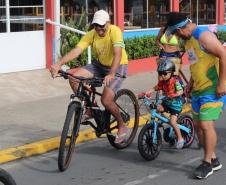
{"type": "Point", "coordinates": [103, 46]}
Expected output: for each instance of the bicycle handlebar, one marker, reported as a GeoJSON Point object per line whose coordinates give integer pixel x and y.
{"type": "Point", "coordinates": [144, 96]}
{"type": "Point", "coordinates": [92, 81]}
{"type": "Point", "coordinates": [151, 102]}
{"type": "Point", "coordinates": [66, 74]}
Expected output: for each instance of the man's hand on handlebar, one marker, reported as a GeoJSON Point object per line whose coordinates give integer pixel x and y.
{"type": "Point", "coordinates": [55, 69]}
{"type": "Point", "coordinates": [108, 79]}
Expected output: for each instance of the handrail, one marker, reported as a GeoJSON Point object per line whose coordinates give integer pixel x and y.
{"type": "Point", "coordinates": [73, 30]}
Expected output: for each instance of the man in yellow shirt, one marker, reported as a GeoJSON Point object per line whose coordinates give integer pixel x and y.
{"type": "Point", "coordinates": [111, 59]}
{"type": "Point", "coordinates": [207, 59]}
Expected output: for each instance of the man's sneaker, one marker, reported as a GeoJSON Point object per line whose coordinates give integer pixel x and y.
{"type": "Point", "coordinates": [216, 165]}
{"type": "Point", "coordinates": [204, 170]}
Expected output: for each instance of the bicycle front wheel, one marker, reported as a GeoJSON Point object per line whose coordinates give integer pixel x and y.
{"type": "Point", "coordinates": [69, 135]}
{"type": "Point", "coordinates": [129, 110]}
{"type": "Point", "coordinates": [148, 149]}
{"type": "Point", "coordinates": [6, 178]}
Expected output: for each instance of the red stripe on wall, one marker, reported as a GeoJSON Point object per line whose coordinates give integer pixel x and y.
{"type": "Point", "coordinates": [119, 6]}
{"type": "Point", "coordinates": [147, 65]}
{"type": "Point", "coordinates": [175, 5]}
{"type": "Point", "coordinates": [220, 12]}
{"type": "Point", "coordinates": [50, 33]}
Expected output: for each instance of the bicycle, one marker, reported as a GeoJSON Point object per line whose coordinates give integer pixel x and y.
{"type": "Point", "coordinates": [104, 122]}
{"type": "Point", "coordinates": [150, 137]}
{"type": "Point", "coordinates": [6, 178]}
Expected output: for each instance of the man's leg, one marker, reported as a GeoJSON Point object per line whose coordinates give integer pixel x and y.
{"type": "Point", "coordinates": [210, 108]}
{"type": "Point", "coordinates": [199, 133]}
{"type": "Point", "coordinates": [107, 100]}
{"type": "Point", "coordinates": [209, 138]}
{"type": "Point", "coordinates": [78, 72]}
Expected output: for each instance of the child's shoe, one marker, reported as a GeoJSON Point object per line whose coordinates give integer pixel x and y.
{"type": "Point", "coordinates": [180, 144]}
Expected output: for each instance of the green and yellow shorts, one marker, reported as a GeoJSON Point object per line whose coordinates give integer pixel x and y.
{"type": "Point", "coordinates": [207, 107]}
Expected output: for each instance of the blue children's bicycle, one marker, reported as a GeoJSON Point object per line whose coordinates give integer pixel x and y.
{"type": "Point", "coordinates": [150, 137]}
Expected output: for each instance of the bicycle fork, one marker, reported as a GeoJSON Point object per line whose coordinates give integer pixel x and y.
{"type": "Point", "coordinates": [185, 129]}
{"type": "Point", "coordinates": [155, 126]}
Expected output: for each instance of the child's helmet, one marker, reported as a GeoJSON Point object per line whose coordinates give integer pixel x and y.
{"type": "Point", "coordinates": [166, 65]}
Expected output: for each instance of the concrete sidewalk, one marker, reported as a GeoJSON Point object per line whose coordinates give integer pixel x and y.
{"type": "Point", "coordinates": [33, 108]}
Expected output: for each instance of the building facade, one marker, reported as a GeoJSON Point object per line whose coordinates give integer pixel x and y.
{"type": "Point", "coordinates": [28, 42]}
{"type": "Point", "coordinates": [22, 35]}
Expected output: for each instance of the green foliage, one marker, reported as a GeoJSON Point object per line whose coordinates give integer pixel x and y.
{"type": "Point", "coordinates": [70, 39]}
{"type": "Point", "coordinates": [136, 48]}
{"type": "Point", "coordinates": [144, 47]}
{"type": "Point", "coordinates": [221, 36]}
{"type": "Point", "coordinates": [141, 47]}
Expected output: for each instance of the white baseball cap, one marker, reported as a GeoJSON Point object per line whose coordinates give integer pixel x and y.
{"type": "Point", "coordinates": [101, 17]}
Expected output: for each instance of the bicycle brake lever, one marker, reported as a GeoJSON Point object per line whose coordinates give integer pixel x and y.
{"type": "Point", "coordinates": [141, 95]}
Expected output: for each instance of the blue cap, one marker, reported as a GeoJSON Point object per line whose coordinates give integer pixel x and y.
{"type": "Point", "coordinates": [181, 24]}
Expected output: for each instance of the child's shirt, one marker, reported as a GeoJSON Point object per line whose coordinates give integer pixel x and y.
{"type": "Point", "coordinates": [170, 88]}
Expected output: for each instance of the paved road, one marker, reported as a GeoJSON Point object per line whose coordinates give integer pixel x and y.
{"type": "Point", "coordinates": [33, 106]}
{"type": "Point", "coordinates": [97, 163]}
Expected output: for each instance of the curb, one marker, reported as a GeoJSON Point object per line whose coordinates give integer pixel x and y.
{"type": "Point", "coordinates": [47, 145]}
{"type": "Point", "coordinates": [44, 146]}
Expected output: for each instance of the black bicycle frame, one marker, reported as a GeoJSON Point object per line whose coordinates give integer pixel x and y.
{"type": "Point", "coordinates": [101, 117]}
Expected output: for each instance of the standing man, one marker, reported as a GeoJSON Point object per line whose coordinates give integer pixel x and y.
{"type": "Point", "coordinates": [111, 59]}
{"type": "Point", "coordinates": [207, 59]}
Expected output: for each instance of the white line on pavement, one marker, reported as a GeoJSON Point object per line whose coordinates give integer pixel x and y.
{"type": "Point", "coordinates": [161, 172]}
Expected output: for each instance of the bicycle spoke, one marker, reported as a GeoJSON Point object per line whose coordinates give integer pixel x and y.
{"type": "Point", "coordinates": [128, 107]}
{"type": "Point", "coordinates": [69, 135]}
{"type": "Point", "coordinates": [147, 148]}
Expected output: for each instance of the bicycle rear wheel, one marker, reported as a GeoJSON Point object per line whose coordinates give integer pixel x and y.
{"type": "Point", "coordinates": [187, 121]}
{"type": "Point", "coordinates": [129, 110]}
{"type": "Point", "coordinates": [147, 149]}
{"type": "Point", "coordinates": [69, 135]}
{"type": "Point", "coordinates": [6, 178]}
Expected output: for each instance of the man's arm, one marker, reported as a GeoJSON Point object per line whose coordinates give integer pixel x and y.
{"type": "Point", "coordinates": [212, 45]}
{"type": "Point", "coordinates": [74, 53]}
{"type": "Point", "coordinates": [117, 52]}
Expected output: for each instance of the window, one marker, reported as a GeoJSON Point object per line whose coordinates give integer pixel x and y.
{"type": "Point", "coordinates": [2, 16]}
{"type": "Point", "coordinates": [23, 15]}
{"type": "Point", "coordinates": [200, 11]}
{"type": "Point", "coordinates": [145, 13]}
{"type": "Point", "coordinates": [74, 9]}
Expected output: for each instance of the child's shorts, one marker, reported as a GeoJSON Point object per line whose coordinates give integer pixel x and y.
{"type": "Point", "coordinates": [173, 109]}
{"type": "Point", "coordinates": [208, 107]}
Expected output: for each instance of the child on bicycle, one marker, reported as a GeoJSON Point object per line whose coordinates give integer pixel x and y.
{"type": "Point", "coordinates": [172, 89]}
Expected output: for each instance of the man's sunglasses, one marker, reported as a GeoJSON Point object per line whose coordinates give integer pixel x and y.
{"type": "Point", "coordinates": [98, 25]}
{"type": "Point", "coordinates": [164, 73]}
